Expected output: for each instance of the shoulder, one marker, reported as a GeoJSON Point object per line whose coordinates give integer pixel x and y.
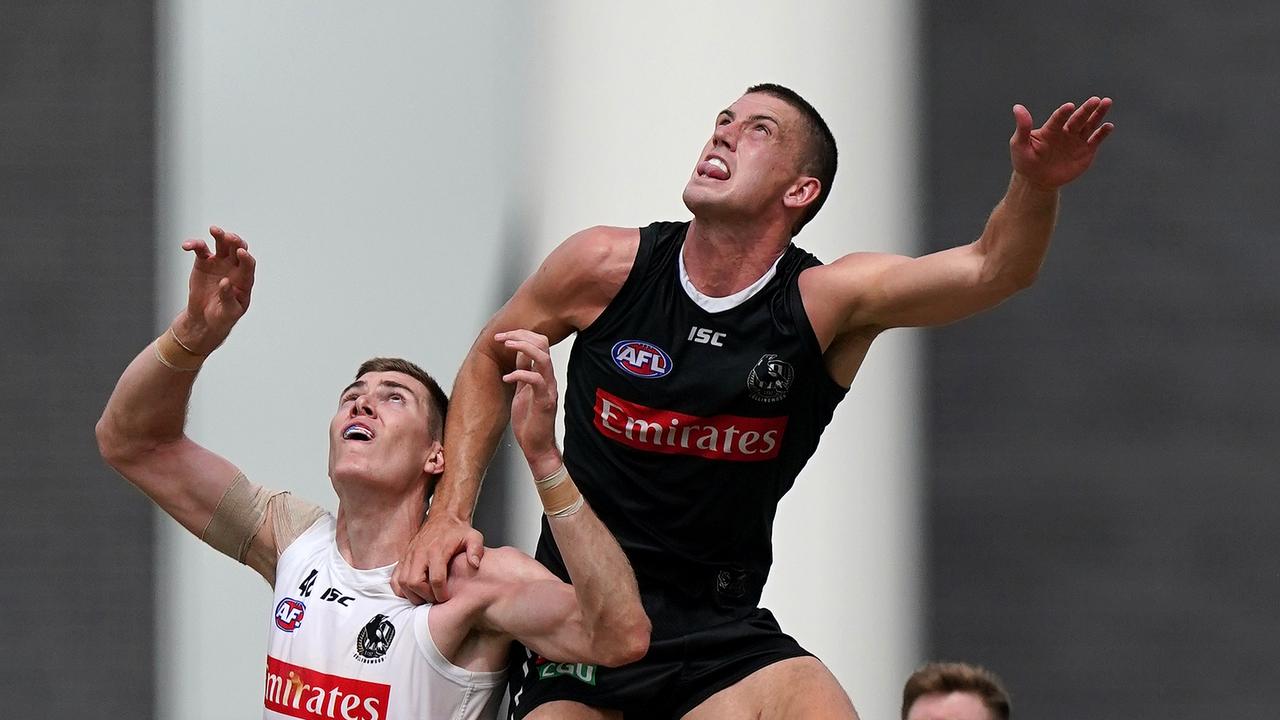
{"type": "Point", "coordinates": [833, 293]}
{"type": "Point", "coordinates": [583, 275]}
{"type": "Point", "coordinates": [599, 253]}
{"type": "Point", "coordinates": [853, 266]}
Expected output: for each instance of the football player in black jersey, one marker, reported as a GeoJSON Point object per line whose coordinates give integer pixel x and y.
{"type": "Point", "coordinates": [763, 174]}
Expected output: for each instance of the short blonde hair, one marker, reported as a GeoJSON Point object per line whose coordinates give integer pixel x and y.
{"type": "Point", "coordinates": [947, 677]}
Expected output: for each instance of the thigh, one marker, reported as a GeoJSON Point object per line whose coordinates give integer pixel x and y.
{"type": "Point", "coordinates": [800, 687]}
{"type": "Point", "coordinates": [567, 710]}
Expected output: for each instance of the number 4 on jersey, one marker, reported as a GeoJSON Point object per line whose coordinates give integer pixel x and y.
{"type": "Point", "coordinates": [305, 587]}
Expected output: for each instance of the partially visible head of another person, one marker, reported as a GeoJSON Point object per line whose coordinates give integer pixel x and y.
{"type": "Point", "coordinates": [954, 691]}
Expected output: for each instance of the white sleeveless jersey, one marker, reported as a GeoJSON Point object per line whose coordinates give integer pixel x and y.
{"type": "Point", "coordinates": [343, 646]}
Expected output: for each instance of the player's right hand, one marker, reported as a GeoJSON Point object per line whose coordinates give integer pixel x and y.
{"type": "Point", "coordinates": [218, 291]}
{"type": "Point", "coordinates": [423, 572]}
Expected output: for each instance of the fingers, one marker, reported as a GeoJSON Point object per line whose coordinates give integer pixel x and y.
{"type": "Point", "coordinates": [246, 266]}
{"type": "Point", "coordinates": [528, 377]}
{"type": "Point", "coordinates": [438, 575]}
{"type": "Point", "coordinates": [419, 592]}
{"type": "Point", "coordinates": [1059, 117]}
{"type": "Point", "coordinates": [1080, 118]}
{"type": "Point", "coordinates": [227, 243]}
{"type": "Point", "coordinates": [532, 355]}
{"type": "Point", "coordinates": [406, 592]}
{"type": "Point", "coordinates": [534, 346]}
{"type": "Point", "coordinates": [475, 548]}
{"type": "Point", "coordinates": [1101, 134]}
{"type": "Point", "coordinates": [199, 247]}
{"type": "Point", "coordinates": [1095, 119]}
{"type": "Point", "coordinates": [1022, 125]}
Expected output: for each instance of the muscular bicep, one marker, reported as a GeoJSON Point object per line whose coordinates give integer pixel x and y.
{"type": "Point", "coordinates": [871, 292]}
{"type": "Point", "coordinates": [186, 480]}
{"type": "Point", "coordinates": [572, 286]}
{"type": "Point", "coordinates": [532, 605]}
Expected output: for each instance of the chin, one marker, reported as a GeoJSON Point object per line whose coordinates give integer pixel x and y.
{"type": "Point", "coordinates": [700, 200]}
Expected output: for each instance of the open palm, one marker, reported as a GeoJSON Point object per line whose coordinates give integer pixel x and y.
{"type": "Point", "coordinates": [1063, 148]}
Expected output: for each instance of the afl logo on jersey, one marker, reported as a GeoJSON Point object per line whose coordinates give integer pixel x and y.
{"type": "Point", "coordinates": [641, 359]}
{"type": "Point", "coordinates": [289, 614]}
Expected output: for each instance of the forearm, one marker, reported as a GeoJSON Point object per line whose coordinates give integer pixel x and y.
{"type": "Point", "coordinates": [1016, 238]}
{"type": "Point", "coordinates": [604, 586]}
{"type": "Point", "coordinates": [479, 411]}
{"type": "Point", "coordinates": [147, 408]}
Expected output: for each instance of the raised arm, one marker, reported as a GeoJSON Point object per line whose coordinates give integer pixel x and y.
{"type": "Point", "coordinates": [141, 433]}
{"type": "Point", "coordinates": [568, 291]}
{"type": "Point", "coordinates": [864, 293]}
{"type": "Point", "coordinates": [599, 618]}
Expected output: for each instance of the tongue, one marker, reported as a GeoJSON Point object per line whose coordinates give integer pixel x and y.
{"type": "Point", "coordinates": [712, 171]}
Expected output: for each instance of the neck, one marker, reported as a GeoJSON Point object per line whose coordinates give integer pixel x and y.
{"type": "Point", "coordinates": [723, 258]}
{"type": "Point", "coordinates": [375, 528]}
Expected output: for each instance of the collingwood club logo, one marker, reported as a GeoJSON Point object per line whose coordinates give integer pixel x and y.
{"type": "Point", "coordinates": [770, 379]}
{"type": "Point", "coordinates": [374, 640]}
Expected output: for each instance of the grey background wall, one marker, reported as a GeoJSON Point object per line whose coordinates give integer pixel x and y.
{"type": "Point", "coordinates": [1102, 456]}
{"type": "Point", "coordinates": [76, 302]}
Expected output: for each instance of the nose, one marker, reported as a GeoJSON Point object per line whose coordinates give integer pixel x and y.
{"type": "Point", "coordinates": [726, 135]}
{"type": "Point", "coordinates": [362, 406]}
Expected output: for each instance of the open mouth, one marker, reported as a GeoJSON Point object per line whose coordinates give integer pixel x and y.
{"type": "Point", "coordinates": [356, 431]}
{"type": "Point", "coordinates": [714, 168]}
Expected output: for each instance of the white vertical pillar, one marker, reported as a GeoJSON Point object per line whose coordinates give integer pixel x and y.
{"type": "Point", "coordinates": [623, 97]}
{"type": "Point", "coordinates": [364, 153]}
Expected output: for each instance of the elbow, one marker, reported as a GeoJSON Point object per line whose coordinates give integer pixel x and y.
{"type": "Point", "coordinates": [627, 644]}
{"type": "Point", "coordinates": [1004, 281]}
{"type": "Point", "coordinates": [1020, 281]}
{"type": "Point", "coordinates": [116, 447]}
{"type": "Point", "coordinates": [110, 446]}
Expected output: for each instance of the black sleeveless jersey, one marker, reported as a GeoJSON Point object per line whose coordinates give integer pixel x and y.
{"type": "Point", "coordinates": [684, 428]}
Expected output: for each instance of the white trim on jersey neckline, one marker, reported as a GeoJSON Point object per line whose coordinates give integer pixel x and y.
{"type": "Point", "coordinates": [728, 302]}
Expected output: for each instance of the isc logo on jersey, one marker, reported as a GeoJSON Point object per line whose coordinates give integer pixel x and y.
{"type": "Point", "coordinates": [641, 359]}
{"type": "Point", "coordinates": [289, 614]}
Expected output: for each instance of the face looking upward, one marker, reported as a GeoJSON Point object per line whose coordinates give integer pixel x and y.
{"type": "Point", "coordinates": [380, 434]}
{"type": "Point", "coordinates": [750, 167]}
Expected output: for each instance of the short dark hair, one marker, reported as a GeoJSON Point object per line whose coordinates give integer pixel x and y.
{"type": "Point", "coordinates": [820, 152]}
{"type": "Point", "coordinates": [948, 677]}
{"type": "Point", "coordinates": [438, 403]}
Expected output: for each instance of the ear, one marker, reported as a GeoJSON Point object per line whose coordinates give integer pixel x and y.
{"type": "Point", "coordinates": [802, 192]}
{"type": "Point", "coordinates": [435, 459]}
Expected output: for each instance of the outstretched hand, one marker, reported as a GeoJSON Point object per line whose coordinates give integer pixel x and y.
{"type": "Point", "coordinates": [533, 407]}
{"type": "Point", "coordinates": [219, 290]}
{"type": "Point", "coordinates": [1063, 148]}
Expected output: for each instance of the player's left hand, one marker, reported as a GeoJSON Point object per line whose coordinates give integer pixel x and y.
{"type": "Point", "coordinates": [533, 407]}
{"type": "Point", "coordinates": [1063, 148]}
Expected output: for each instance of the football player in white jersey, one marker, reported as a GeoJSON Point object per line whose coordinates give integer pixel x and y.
{"type": "Point", "coordinates": [342, 645]}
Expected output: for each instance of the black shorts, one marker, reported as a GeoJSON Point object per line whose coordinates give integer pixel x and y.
{"type": "Point", "coordinates": [676, 675]}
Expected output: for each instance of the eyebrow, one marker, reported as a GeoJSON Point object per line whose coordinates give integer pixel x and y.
{"type": "Point", "coordinates": [384, 383]}
{"type": "Point", "coordinates": [757, 116]}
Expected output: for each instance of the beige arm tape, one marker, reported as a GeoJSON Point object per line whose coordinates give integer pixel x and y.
{"type": "Point", "coordinates": [240, 515]}
{"type": "Point", "coordinates": [174, 355]}
{"type": "Point", "coordinates": [560, 496]}
{"type": "Point", "coordinates": [237, 518]}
